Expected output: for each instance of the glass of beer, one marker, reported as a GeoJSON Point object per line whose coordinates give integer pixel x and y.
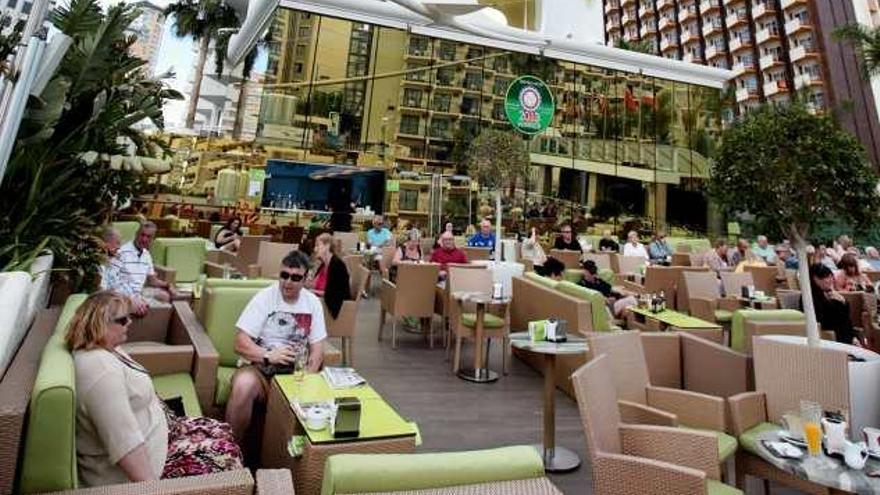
{"type": "Point", "coordinates": [811, 415]}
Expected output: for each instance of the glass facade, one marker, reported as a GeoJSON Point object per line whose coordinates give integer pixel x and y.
{"type": "Point", "coordinates": [337, 91]}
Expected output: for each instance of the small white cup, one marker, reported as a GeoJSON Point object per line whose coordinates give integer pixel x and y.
{"type": "Point", "coordinates": [317, 418]}
{"type": "Point", "coordinates": [872, 438]}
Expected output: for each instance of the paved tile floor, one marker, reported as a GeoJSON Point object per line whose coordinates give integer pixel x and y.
{"type": "Point", "coordinates": [457, 415]}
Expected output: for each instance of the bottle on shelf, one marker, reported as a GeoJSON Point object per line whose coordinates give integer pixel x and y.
{"type": "Point", "coordinates": [662, 301]}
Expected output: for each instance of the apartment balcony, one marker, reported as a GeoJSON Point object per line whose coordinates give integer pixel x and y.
{"type": "Point", "coordinates": [693, 58]}
{"type": "Point", "coordinates": [763, 10]}
{"type": "Point", "coordinates": [713, 52]}
{"type": "Point", "coordinates": [773, 88]}
{"type": "Point", "coordinates": [797, 26]}
{"type": "Point", "coordinates": [689, 37]}
{"type": "Point", "coordinates": [746, 94]}
{"type": "Point", "coordinates": [612, 6]}
{"type": "Point", "coordinates": [687, 14]}
{"type": "Point", "coordinates": [766, 34]}
{"type": "Point", "coordinates": [648, 29]}
{"type": "Point", "coordinates": [741, 69]}
{"type": "Point", "coordinates": [709, 6]}
{"type": "Point", "coordinates": [665, 24]}
{"type": "Point", "coordinates": [789, 4]}
{"type": "Point", "coordinates": [664, 4]}
{"type": "Point", "coordinates": [711, 28]}
{"type": "Point", "coordinates": [736, 19]}
{"type": "Point", "coordinates": [807, 80]}
{"type": "Point", "coordinates": [646, 11]}
{"type": "Point", "coordinates": [666, 44]}
{"type": "Point", "coordinates": [626, 3]}
{"type": "Point", "coordinates": [737, 44]}
{"type": "Point", "coordinates": [612, 26]}
{"type": "Point", "coordinates": [627, 19]}
{"type": "Point", "coordinates": [417, 54]}
{"type": "Point", "coordinates": [768, 61]}
{"type": "Point", "coordinates": [733, 3]}
{"type": "Point", "coordinates": [803, 52]}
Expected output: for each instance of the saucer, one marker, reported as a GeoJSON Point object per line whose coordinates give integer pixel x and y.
{"type": "Point", "coordinates": [787, 436]}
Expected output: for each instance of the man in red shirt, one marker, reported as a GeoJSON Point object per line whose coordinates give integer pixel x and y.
{"type": "Point", "coordinates": [447, 253]}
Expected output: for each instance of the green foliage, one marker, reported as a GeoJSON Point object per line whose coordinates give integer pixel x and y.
{"type": "Point", "coordinates": [641, 46]}
{"type": "Point", "coordinates": [866, 43]}
{"type": "Point", "coordinates": [793, 171]}
{"type": "Point", "coordinates": [204, 19]}
{"type": "Point", "coordinates": [8, 41]}
{"type": "Point", "coordinates": [498, 158]}
{"type": "Point", "coordinates": [51, 197]}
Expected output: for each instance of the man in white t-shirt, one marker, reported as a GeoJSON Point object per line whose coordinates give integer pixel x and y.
{"type": "Point", "coordinates": [279, 323]}
{"type": "Point", "coordinates": [138, 263]}
{"type": "Point", "coordinates": [633, 247]}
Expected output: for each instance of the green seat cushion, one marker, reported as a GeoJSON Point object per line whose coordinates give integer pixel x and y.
{"type": "Point", "coordinates": [545, 281]}
{"type": "Point", "coordinates": [179, 385]}
{"type": "Point", "coordinates": [723, 315]}
{"type": "Point", "coordinates": [740, 316]}
{"type": "Point", "coordinates": [239, 282]}
{"type": "Point", "coordinates": [185, 255]}
{"type": "Point", "coordinates": [127, 230]}
{"type": "Point", "coordinates": [369, 473]}
{"type": "Point", "coordinates": [714, 487]}
{"type": "Point", "coordinates": [224, 384]}
{"type": "Point", "coordinates": [606, 274]}
{"type": "Point", "coordinates": [749, 439]}
{"type": "Point", "coordinates": [572, 275]}
{"type": "Point", "coordinates": [601, 318]}
{"type": "Point", "coordinates": [489, 320]}
{"type": "Point", "coordinates": [49, 458]}
{"type": "Point", "coordinates": [727, 444]}
{"type": "Point", "coordinates": [221, 307]}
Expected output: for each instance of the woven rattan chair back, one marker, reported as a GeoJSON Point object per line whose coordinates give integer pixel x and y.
{"type": "Point", "coordinates": [597, 403]}
{"type": "Point", "coordinates": [416, 284]}
{"type": "Point", "coordinates": [630, 264]}
{"type": "Point", "coordinates": [734, 282]}
{"type": "Point", "coordinates": [476, 253]}
{"type": "Point", "coordinates": [602, 260]}
{"type": "Point", "coordinates": [347, 240]}
{"type": "Point", "coordinates": [569, 258]}
{"type": "Point", "coordinates": [250, 249]}
{"type": "Point", "coordinates": [270, 256]}
{"type": "Point", "coordinates": [462, 279]}
{"type": "Point", "coordinates": [788, 372]}
{"type": "Point", "coordinates": [626, 359]}
{"type": "Point", "coordinates": [765, 278]}
{"type": "Point", "coordinates": [359, 280]}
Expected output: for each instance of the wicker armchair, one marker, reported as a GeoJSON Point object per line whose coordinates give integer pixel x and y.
{"type": "Point", "coordinates": [733, 282]}
{"type": "Point", "coordinates": [643, 403]}
{"type": "Point", "coordinates": [639, 459]}
{"type": "Point", "coordinates": [411, 295]}
{"type": "Point", "coordinates": [785, 374]}
{"type": "Point", "coordinates": [249, 251]}
{"type": "Point", "coordinates": [765, 278]}
{"type": "Point", "coordinates": [269, 256]}
{"type": "Point", "coordinates": [345, 323]}
{"type": "Point", "coordinates": [462, 319]}
{"type": "Point", "coordinates": [701, 295]}
{"type": "Point", "coordinates": [569, 258]}
{"type": "Point", "coordinates": [238, 482]}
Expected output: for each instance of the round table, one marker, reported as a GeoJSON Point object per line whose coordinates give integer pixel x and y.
{"type": "Point", "coordinates": [479, 373]}
{"type": "Point", "coordinates": [556, 459]}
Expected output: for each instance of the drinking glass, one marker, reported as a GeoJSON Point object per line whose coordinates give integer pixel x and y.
{"type": "Point", "coordinates": [300, 362]}
{"type": "Point", "coordinates": [811, 415]}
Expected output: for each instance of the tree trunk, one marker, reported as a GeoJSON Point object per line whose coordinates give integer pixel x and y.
{"type": "Point", "coordinates": [197, 83]}
{"type": "Point", "coordinates": [498, 224]}
{"type": "Point", "coordinates": [239, 110]}
{"type": "Point", "coordinates": [806, 293]}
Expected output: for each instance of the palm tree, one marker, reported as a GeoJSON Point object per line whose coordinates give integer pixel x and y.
{"type": "Point", "coordinates": [866, 43]}
{"type": "Point", "coordinates": [641, 46]}
{"type": "Point", "coordinates": [203, 21]}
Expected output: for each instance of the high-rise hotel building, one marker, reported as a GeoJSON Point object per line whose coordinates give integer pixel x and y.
{"type": "Point", "coordinates": [777, 49]}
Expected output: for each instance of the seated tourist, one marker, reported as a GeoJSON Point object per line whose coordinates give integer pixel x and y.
{"type": "Point", "coordinates": [764, 250]}
{"type": "Point", "coordinates": [379, 236]}
{"type": "Point", "coordinates": [331, 280]}
{"type": "Point", "coordinates": [742, 254]}
{"type": "Point", "coordinates": [552, 268]}
{"type": "Point", "coordinates": [137, 261]}
{"type": "Point", "coordinates": [447, 253]}
{"type": "Point", "coordinates": [633, 247]}
{"type": "Point", "coordinates": [485, 238]}
{"type": "Point", "coordinates": [228, 238]}
{"type": "Point", "coordinates": [607, 243]}
{"type": "Point", "coordinates": [616, 301]}
{"type": "Point", "coordinates": [832, 310]}
{"type": "Point", "coordinates": [850, 277]}
{"type": "Point", "coordinates": [281, 325]}
{"type": "Point", "coordinates": [872, 257]}
{"type": "Point", "coordinates": [531, 250]}
{"type": "Point", "coordinates": [787, 258]}
{"type": "Point", "coordinates": [566, 240]}
{"type": "Point", "coordinates": [822, 255]}
{"type": "Point", "coordinates": [123, 431]}
{"type": "Point", "coordinates": [115, 278]}
{"type": "Point", "coordinates": [659, 251]}
{"type": "Point", "coordinates": [716, 259]}
{"type": "Point", "coordinates": [839, 248]}
{"type": "Point", "coordinates": [409, 251]}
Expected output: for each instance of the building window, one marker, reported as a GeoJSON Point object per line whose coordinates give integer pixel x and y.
{"type": "Point", "coordinates": [298, 68]}
{"type": "Point", "coordinates": [474, 81]}
{"type": "Point", "coordinates": [305, 31]}
{"type": "Point", "coordinates": [447, 50]}
{"type": "Point", "coordinates": [26, 8]}
{"type": "Point", "coordinates": [409, 124]}
{"type": "Point", "coordinates": [474, 52]}
{"type": "Point", "coordinates": [499, 87]}
{"type": "Point", "coordinates": [412, 97]}
{"type": "Point", "coordinates": [409, 199]}
{"type": "Point", "coordinates": [440, 128]}
{"type": "Point", "coordinates": [441, 102]}
{"type": "Point", "coordinates": [418, 46]}
{"type": "Point", "coordinates": [470, 105]}
{"type": "Point", "coordinates": [446, 76]}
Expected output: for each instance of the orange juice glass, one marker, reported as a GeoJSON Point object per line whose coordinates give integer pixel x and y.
{"type": "Point", "coordinates": [813, 437]}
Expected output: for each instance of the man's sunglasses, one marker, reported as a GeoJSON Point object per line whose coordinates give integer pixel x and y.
{"type": "Point", "coordinates": [293, 277]}
{"type": "Point", "coordinates": [123, 320]}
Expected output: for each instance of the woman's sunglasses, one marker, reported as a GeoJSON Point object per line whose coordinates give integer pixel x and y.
{"type": "Point", "coordinates": [293, 277]}
{"type": "Point", "coordinates": [123, 320]}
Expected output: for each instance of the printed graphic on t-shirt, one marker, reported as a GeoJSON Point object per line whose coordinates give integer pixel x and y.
{"type": "Point", "coordinates": [286, 329]}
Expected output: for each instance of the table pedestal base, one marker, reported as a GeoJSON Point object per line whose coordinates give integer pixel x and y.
{"type": "Point", "coordinates": [558, 459]}
{"type": "Point", "coordinates": [478, 375]}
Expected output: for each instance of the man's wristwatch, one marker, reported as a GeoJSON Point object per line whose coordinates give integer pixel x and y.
{"type": "Point", "coordinates": [266, 358]}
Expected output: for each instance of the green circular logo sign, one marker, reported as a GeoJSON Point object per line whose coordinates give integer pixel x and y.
{"type": "Point", "coordinates": [529, 105]}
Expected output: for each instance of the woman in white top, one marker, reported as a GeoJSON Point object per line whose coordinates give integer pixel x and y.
{"type": "Point", "coordinates": [123, 431]}
{"type": "Point", "coordinates": [633, 247]}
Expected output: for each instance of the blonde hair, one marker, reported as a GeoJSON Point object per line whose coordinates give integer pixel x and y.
{"type": "Point", "coordinates": [88, 327]}
{"type": "Point", "coordinates": [328, 240]}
